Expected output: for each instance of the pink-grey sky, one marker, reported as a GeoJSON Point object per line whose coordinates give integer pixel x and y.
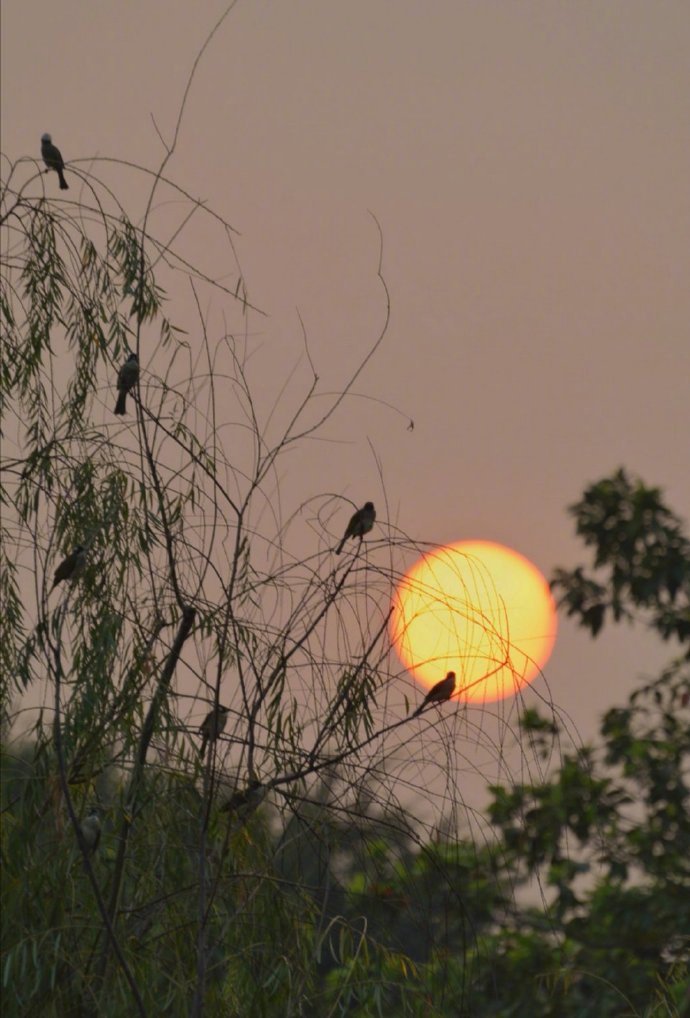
{"type": "Point", "coordinates": [528, 163]}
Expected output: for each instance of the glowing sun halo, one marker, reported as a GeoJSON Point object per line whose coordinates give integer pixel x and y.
{"type": "Point", "coordinates": [479, 609]}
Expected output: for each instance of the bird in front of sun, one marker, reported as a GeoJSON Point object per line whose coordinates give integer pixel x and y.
{"type": "Point", "coordinates": [439, 693]}
{"type": "Point", "coordinates": [52, 157]}
{"type": "Point", "coordinates": [360, 524]}
{"type": "Point", "coordinates": [474, 602]}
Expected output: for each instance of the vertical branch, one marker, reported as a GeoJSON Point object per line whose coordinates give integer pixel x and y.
{"type": "Point", "coordinates": [183, 632]}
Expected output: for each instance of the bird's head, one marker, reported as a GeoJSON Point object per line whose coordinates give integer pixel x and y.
{"type": "Point", "coordinates": [133, 358]}
{"type": "Point", "coordinates": [451, 675]}
{"type": "Point", "coordinates": [368, 506]}
{"type": "Point", "coordinates": [46, 139]}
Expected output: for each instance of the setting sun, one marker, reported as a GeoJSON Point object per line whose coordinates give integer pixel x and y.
{"type": "Point", "coordinates": [477, 608]}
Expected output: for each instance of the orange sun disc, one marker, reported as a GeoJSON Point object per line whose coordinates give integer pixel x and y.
{"type": "Point", "coordinates": [479, 609]}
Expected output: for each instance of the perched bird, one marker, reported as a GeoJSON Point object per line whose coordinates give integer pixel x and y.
{"type": "Point", "coordinates": [246, 800]}
{"type": "Point", "coordinates": [361, 523]}
{"type": "Point", "coordinates": [127, 378]}
{"type": "Point", "coordinates": [71, 567]}
{"type": "Point", "coordinates": [91, 829]}
{"type": "Point", "coordinates": [53, 159]}
{"type": "Point", "coordinates": [439, 693]}
{"type": "Point", "coordinates": [212, 725]}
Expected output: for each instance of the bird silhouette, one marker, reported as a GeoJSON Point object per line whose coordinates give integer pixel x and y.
{"type": "Point", "coordinates": [127, 378]}
{"type": "Point", "coordinates": [360, 524]}
{"type": "Point", "coordinates": [53, 159]}
{"type": "Point", "coordinates": [212, 725]}
{"type": "Point", "coordinates": [439, 693]}
{"type": "Point", "coordinates": [91, 830]}
{"type": "Point", "coordinates": [71, 566]}
{"type": "Point", "coordinates": [246, 800]}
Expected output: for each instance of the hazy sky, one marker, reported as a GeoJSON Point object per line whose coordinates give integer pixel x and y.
{"type": "Point", "coordinates": [528, 163]}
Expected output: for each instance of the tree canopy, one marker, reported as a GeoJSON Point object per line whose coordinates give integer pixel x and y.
{"type": "Point", "coordinates": [278, 871]}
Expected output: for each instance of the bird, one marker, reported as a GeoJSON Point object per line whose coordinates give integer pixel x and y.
{"type": "Point", "coordinates": [212, 725]}
{"type": "Point", "coordinates": [360, 524]}
{"type": "Point", "coordinates": [127, 378]}
{"type": "Point", "coordinates": [246, 800]}
{"type": "Point", "coordinates": [439, 693]}
{"type": "Point", "coordinates": [71, 567]}
{"type": "Point", "coordinates": [91, 830]}
{"type": "Point", "coordinates": [53, 159]}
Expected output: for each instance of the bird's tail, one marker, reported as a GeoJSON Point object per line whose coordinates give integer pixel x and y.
{"type": "Point", "coordinates": [121, 405]}
{"type": "Point", "coordinates": [341, 545]}
{"type": "Point", "coordinates": [64, 186]}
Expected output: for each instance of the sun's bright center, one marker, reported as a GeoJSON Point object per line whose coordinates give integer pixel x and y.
{"type": "Point", "coordinates": [479, 609]}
